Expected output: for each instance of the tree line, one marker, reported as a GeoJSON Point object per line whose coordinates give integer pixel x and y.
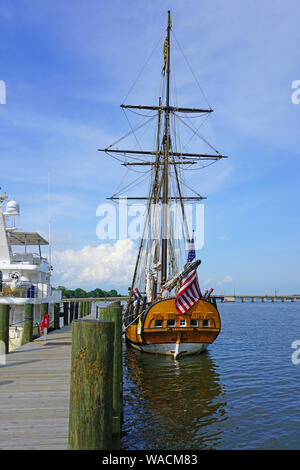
{"type": "Point", "coordinates": [80, 293]}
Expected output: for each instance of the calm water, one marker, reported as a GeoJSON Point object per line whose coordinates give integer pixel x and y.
{"type": "Point", "coordinates": [243, 393]}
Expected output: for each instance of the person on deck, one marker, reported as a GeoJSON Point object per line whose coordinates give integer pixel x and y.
{"type": "Point", "coordinates": [165, 294]}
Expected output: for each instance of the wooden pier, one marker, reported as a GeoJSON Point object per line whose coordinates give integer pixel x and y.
{"type": "Point", "coordinates": [36, 383]}
{"type": "Point", "coordinates": [34, 394]}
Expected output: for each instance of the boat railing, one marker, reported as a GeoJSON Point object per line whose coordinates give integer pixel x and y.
{"type": "Point", "coordinates": [30, 258]}
{"type": "Point", "coordinates": [30, 290]}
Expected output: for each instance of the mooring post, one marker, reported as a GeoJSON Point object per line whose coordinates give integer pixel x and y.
{"type": "Point", "coordinates": [66, 313]}
{"type": "Point", "coordinates": [76, 310]}
{"type": "Point", "coordinates": [4, 325]}
{"type": "Point", "coordinates": [44, 310]}
{"type": "Point", "coordinates": [114, 313]}
{"type": "Point", "coordinates": [71, 311]}
{"type": "Point", "coordinates": [90, 417]}
{"type": "Point", "coordinates": [56, 316]}
{"type": "Point", "coordinates": [28, 323]}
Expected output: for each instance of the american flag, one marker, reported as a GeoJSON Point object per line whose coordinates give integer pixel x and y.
{"type": "Point", "coordinates": [189, 292]}
{"type": "Point", "coordinates": [191, 252]}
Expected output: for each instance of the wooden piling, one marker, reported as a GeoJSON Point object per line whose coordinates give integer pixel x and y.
{"type": "Point", "coordinates": [76, 310]}
{"type": "Point", "coordinates": [44, 310]}
{"type": "Point", "coordinates": [80, 309]}
{"type": "Point", "coordinates": [71, 311]}
{"type": "Point", "coordinates": [66, 313]}
{"type": "Point", "coordinates": [114, 314]}
{"type": "Point", "coordinates": [28, 323]}
{"type": "Point", "coordinates": [4, 326]}
{"type": "Point", "coordinates": [56, 316]}
{"type": "Point", "coordinates": [90, 418]}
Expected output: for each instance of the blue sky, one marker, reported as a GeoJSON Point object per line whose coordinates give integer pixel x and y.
{"type": "Point", "coordinates": [67, 67]}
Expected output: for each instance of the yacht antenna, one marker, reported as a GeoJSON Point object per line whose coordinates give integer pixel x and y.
{"type": "Point", "coordinates": [49, 221]}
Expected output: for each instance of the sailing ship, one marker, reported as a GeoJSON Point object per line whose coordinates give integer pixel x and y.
{"type": "Point", "coordinates": [25, 276]}
{"type": "Point", "coordinates": [166, 312]}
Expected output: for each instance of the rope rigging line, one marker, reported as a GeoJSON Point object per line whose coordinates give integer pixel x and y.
{"type": "Point", "coordinates": [199, 166]}
{"type": "Point", "coordinates": [135, 182]}
{"type": "Point", "coordinates": [196, 131]}
{"type": "Point", "coordinates": [144, 66]}
{"type": "Point", "coordinates": [138, 142]}
{"type": "Point", "coordinates": [191, 70]}
{"type": "Point", "coordinates": [131, 131]}
{"type": "Point", "coordinates": [141, 114]}
{"type": "Point", "coordinates": [200, 136]}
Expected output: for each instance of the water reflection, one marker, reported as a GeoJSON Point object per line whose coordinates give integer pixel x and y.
{"type": "Point", "coordinates": [171, 404]}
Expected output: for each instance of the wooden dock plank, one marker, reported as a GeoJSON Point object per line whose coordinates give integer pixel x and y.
{"type": "Point", "coordinates": [34, 394]}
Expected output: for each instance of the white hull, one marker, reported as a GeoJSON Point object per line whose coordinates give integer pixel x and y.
{"type": "Point", "coordinates": [172, 349]}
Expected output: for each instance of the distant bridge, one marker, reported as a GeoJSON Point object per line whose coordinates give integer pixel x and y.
{"type": "Point", "coordinates": [253, 298]}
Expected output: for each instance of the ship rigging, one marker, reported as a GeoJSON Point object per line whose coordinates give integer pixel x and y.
{"type": "Point", "coordinates": [162, 248]}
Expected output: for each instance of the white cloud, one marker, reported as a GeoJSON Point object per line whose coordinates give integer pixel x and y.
{"type": "Point", "coordinates": [105, 263]}
{"type": "Point", "coordinates": [227, 279]}
{"type": "Point", "coordinates": [208, 281]}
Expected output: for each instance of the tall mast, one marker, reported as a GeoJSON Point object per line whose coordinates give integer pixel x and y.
{"type": "Point", "coordinates": [166, 141]}
{"type": "Point", "coordinates": [156, 193]}
{"type": "Point", "coordinates": [161, 158]}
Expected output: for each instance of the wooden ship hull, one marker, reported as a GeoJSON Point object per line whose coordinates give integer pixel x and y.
{"type": "Point", "coordinates": [162, 330]}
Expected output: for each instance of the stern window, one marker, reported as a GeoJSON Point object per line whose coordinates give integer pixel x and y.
{"type": "Point", "coordinates": [182, 323]}
{"type": "Point", "coordinates": [158, 324]}
{"type": "Point", "coordinates": [206, 323]}
{"type": "Point", "coordinates": [170, 323]}
{"type": "Point", "coordinates": [194, 322]}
